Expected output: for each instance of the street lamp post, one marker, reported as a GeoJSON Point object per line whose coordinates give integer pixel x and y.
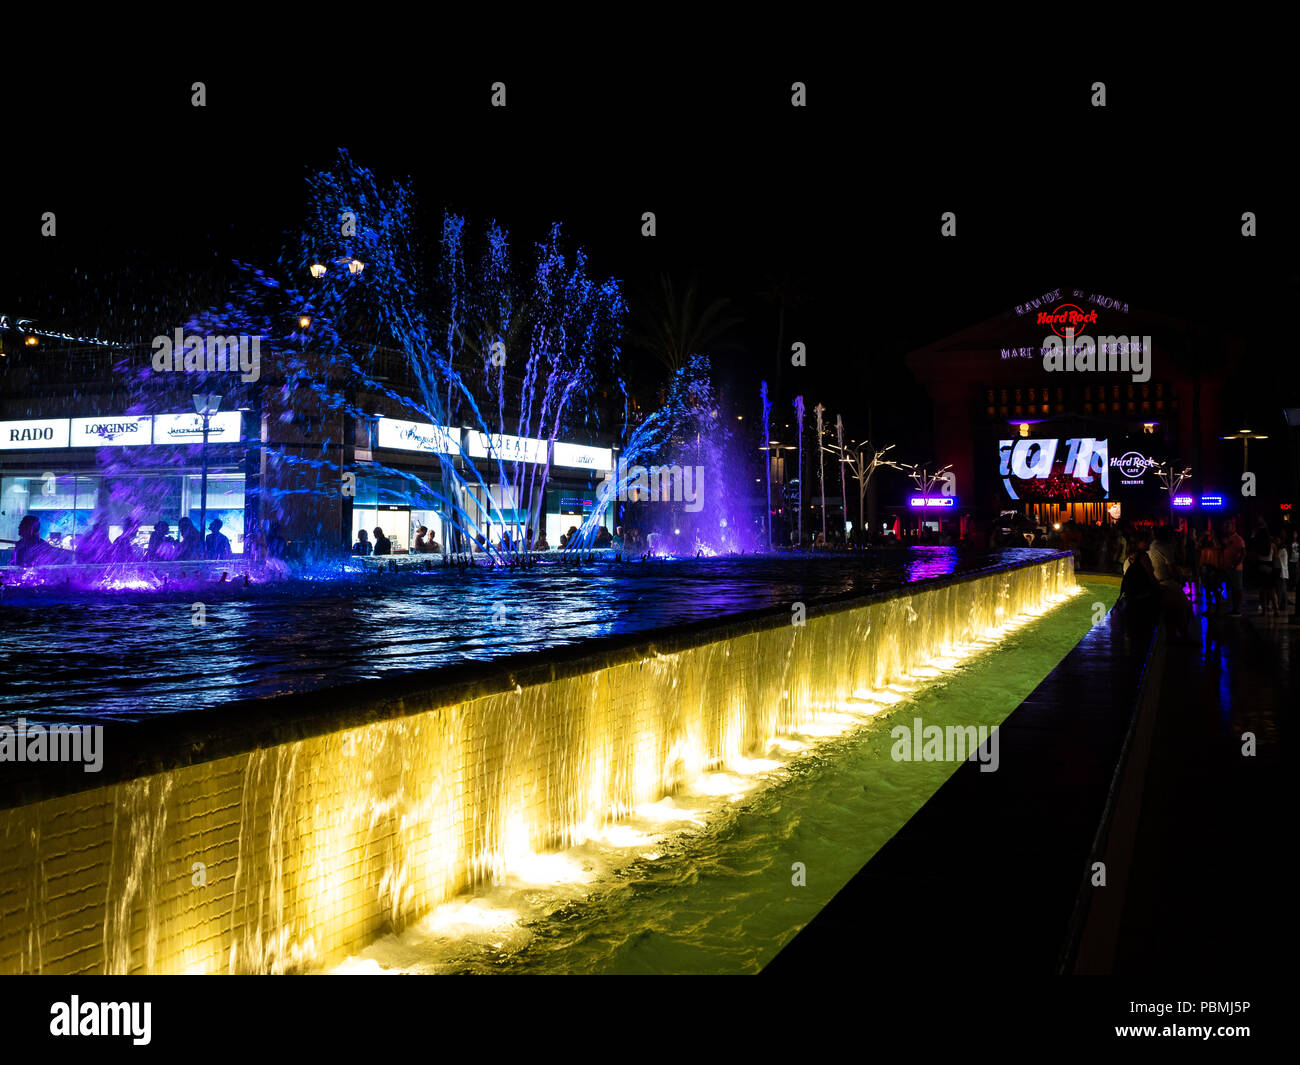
{"type": "Point", "coordinates": [821, 467]}
{"type": "Point", "coordinates": [844, 490]}
{"type": "Point", "coordinates": [1245, 436]}
{"type": "Point", "coordinates": [205, 406]}
{"type": "Point", "coordinates": [1172, 479]}
{"type": "Point", "coordinates": [863, 468]}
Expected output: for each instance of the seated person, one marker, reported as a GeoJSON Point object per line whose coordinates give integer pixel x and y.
{"type": "Point", "coordinates": [383, 545]}
{"type": "Point", "coordinates": [421, 544]}
{"type": "Point", "coordinates": [603, 538]}
{"type": "Point", "coordinates": [363, 546]}
{"type": "Point", "coordinates": [123, 549]}
{"type": "Point", "coordinates": [31, 550]}
{"type": "Point", "coordinates": [190, 547]}
{"type": "Point", "coordinates": [162, 548]}
{"type": "Point", "coordinates": [432, 546]}
{"type": "Point", "coordinates": [540, 543]}
{"type": "Point", "coordinates": [94, 546]}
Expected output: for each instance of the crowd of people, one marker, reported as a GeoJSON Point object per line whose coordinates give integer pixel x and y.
{"type": "Point", "coordinates": [97, 545]}
{"type": "Point", "coordinates": [377, 543]}
{"type": "Point", "coordinates": [1166, 572]}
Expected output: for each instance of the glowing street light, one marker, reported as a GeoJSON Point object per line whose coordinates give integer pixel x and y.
{"type": "Point", "coordinates": [1245, 436]}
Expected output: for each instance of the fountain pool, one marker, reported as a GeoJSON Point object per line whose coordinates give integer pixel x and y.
{"type": "Point", "coordinates": [287, 833]}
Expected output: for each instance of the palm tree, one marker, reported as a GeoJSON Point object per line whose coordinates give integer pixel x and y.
{"type": "Point", "coordinates": [678, 324]}
{"type": "Point", "coordinates": [785, 293]}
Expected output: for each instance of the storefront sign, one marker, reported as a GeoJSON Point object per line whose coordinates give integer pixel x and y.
{"type": "Point", "coordinates": [579, 456]}
{"type": "Point", "coordinates": [1133, 467]}
{"type": "Point", "coordinates": [1183, 501]}
{"type": "Point", "coordinates": [117, 431]}
{"type": "Point", "coordinates": [26, 327]}
{"type": "Point", "coordinates": [506, 448]}
{"type": "Point", "coordinates": [34, 433]}
{"type": "Point", "coordinates": [224, 427]}
{"type": "Point", "coordinates": [919, 502]}
{"type": "Point", "coordinates": [1042, 471]}
{"type": "Point", "coordinates": [417, 436]}
{"type": "Point", "coordinates": [1211, 501]}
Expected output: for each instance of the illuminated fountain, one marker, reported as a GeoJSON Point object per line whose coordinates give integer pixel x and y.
{"type": "Point", "coordinates": [292, 853]}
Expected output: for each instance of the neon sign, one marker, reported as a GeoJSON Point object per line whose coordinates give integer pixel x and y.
{"type": "Point", "coordinates": [1211, 501]}
{"type": "Point", "coordinates": [918, 502]}
{"type": "Point", "coordinates": [1182, 501]}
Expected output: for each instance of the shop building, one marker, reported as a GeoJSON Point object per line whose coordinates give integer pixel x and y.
{"type": "Point", "coordinates": [1082, 439]}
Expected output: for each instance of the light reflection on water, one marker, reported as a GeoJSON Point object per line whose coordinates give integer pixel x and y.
{"type": "Point", "coordinates": [120, 658]}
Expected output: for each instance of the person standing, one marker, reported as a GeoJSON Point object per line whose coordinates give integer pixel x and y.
{"type": "Point", "coordinates": [1261, 547]}
{"type": "Point", "coordinates": [275, 542]}
{"type": "Point", "coordinates": [218, 545]}
{"type": "Point", "coordinates": [383, 546]}
{"type": "Point", "coordinates": [1234, 555]}
{"type": "Point", "coordinates": [1210, 567]}
{"type": "Point", "coordinates": [1282, 571]}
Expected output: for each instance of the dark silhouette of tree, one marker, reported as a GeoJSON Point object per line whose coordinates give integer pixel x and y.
{"type": "Point", "coordinates": [676, 323]}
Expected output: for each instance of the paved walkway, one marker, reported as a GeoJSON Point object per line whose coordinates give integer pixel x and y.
{"type": "Point", "coordinates": [983, 878]}
{"type": "Point", "coordinates": [1211, 891]}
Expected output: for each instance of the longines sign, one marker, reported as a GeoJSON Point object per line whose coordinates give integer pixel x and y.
{"type": "Point", "coordinates": [26, 327]}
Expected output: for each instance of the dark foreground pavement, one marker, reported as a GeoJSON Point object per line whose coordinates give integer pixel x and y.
{"type": "Point", "coordinates": [1134, 751]}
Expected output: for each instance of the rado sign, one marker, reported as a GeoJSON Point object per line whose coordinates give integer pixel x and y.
{"type": "Point", "coordinates": [34, 433]}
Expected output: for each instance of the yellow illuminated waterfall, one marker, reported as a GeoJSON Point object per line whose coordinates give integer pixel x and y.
{"type": "Point", "coordinates": [291, 857]}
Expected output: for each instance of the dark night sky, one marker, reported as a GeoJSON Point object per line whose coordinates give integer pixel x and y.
{"type": "Point", "coordinates": [1141, 200]}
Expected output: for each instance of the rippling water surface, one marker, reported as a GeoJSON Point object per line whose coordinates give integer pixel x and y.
{"type": "Point", "coordinates": [82, 657]}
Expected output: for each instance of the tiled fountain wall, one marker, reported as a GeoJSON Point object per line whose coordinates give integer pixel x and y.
{"type": "Point", "coordinates": [294, 855]}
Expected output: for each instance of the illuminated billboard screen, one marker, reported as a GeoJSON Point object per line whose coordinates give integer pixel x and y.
{"type": "Point", "coordinates": [1055, 470]}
